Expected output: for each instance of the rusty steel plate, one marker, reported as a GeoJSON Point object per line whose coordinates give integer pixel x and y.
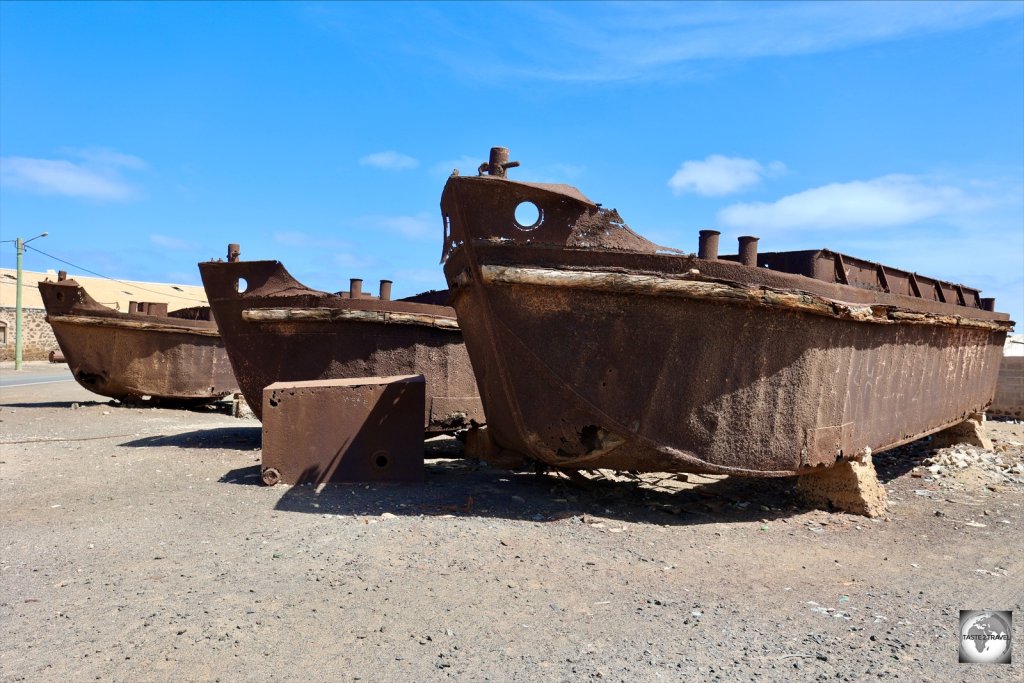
{"type": "Point", "coordinates": [278, 330]}
{"type": "Point", "coordinates": [176, 357]}
{"type": "Point", "coordinates": [343, 430]}
{"type": "Point", "coordinates": [594, 347]}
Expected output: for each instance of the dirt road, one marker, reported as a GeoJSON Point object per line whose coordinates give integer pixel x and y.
{"type": "Point", "coordinates": [137, 545]}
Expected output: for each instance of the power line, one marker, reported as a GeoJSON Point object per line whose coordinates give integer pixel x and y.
{"type": "Point", "coordinates": [114, 279]}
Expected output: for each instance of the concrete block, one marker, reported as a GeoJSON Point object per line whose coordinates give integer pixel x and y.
{"type": "Point", "coordinates": [851, 486]}
{"type": "Point", "coordinates": [971, 431]}
{"type": "Point", "coordinates": [347, 430]}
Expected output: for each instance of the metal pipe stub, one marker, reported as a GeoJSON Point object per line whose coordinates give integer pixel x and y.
{"type": "Point", "coordinates": [234, 253]}
{"type": "Point", "coordinates": [748, 251]}
{"type": "Point", "coordinates": [498, 164]}
{"type": "Point", "coordinates": [385, 290]}
{"type": "Point", "coordinates": [708, 245]}
{"type": "Point", "coordinates": [355, 288]}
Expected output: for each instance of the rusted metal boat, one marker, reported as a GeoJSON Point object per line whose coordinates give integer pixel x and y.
{"type": "Point", "coordinates": [595, 348]}
{"type": "Point", "coordinates": [175, 357]}
{"type": "Point", "coordinates": [278, 330]}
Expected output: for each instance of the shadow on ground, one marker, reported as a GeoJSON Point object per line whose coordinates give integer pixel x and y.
{"type": "Point", "coordinates": [239, 438]}
{"type": "Point", "coordinates": [54, 404]}
{"type": "Point", "coordinates": [461, 487]}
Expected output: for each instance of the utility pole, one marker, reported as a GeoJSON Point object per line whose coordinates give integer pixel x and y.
{"type": "Point", "coordinates": [19, 244]}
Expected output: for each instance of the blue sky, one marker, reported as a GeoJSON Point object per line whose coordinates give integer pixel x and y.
{"type": "Point", "coordinates": [145, 137]}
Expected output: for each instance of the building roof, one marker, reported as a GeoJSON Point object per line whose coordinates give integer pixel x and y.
{"type": "Point", "coordinates": [113, 293]}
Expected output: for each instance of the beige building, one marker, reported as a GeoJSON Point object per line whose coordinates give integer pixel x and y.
{"type": "Point", "coordinates": [113, 293]}
{"type": "Point", "coordinates": [38, 339]}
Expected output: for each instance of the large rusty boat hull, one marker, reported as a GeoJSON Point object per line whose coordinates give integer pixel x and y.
{"type": "Point", "coordinates": [594, 348]}
{"type": "Point", "coordinates": [278, 330]}
{"type": "Point", "coordinates": [172, 358]}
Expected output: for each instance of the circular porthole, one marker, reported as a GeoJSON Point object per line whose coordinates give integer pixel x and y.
{"type": "Point", "coordinates": [241, 285]}
{"type": "Point", "coordinates": [528, 216]}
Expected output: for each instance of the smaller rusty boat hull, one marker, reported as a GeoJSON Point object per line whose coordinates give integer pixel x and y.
{"type": "Point", "coordinates": [278, 330]}
{"type": "Point", "coordinates": [175, 358]}
{"type": "Point", "coordinates": [595, 348]}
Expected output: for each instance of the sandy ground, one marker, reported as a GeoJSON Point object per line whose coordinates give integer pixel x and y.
{"type": "Point", "coordinates": [137, 545]}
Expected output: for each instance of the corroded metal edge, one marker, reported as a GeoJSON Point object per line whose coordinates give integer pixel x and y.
{"type": "Point", "coordinates": [324, 314]}
{"type": "Point", "coordinates": [163, 327]}
{"type": "Point", "coordinates": [716, 290]}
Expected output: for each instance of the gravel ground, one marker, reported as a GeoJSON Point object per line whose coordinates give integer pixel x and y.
{"type": "Point", "coordinates": [138, 545]}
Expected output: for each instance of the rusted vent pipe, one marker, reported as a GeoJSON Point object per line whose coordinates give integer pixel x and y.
{"type": "Point", "coordinates": [234, 252]}
{"type": "Point", "coordinates": [385, 290]}
{"type": "Point", "coordinates": [748, 251]}
{"type": "Point", "coordinates": [62, 275]}
{"type": "Point", "coordinates": [708, 245]}
{"type": "Point", "coordinates": [355, 288]}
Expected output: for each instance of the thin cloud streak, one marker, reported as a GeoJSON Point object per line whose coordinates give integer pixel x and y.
{"type": "Point", "coordinates": [389, 161]}
{"type": "Point", "coordinates": [63, 177]}
{"type": "Point", "coordinates": [623, 42]}
{"type": "Point", "coordinates": [422, 226]}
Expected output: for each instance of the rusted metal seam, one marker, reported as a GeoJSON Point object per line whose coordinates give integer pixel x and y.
{"type": "Point", "coordinates": [628, 283]}
{"type": "Point", "coordinates": [301, 315]}
{"type": "Point", "coordinates": [131, 325]}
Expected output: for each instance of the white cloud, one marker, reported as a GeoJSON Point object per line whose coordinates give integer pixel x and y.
{"type": "Point", "coordinates": [881, 202]}
{"type": "Point", "coordinates": [720, 175]}
{"type": "Point", "coordinates": [96, 176]}
{"type": "Point", "coordinates": [59, 176]}
{"type": "Point", "coordinates": [170, 242]}
{"type": "Point", "coordinates": [389, 161]}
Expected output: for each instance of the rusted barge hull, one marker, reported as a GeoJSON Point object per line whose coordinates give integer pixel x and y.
{"type": "Point", "coordinates": [278, 330]}
{"type": "Point", "coordinates": [177, 357]}
{"type": "Point", "coordinates": [595, 348]}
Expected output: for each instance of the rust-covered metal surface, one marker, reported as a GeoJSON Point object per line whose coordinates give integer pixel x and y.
{"type": "Point", "coordinates": [176, 357]}
{"type": "Point", "coordinates": [373, 434]}
{"type": "Point", "coordinates": [278, 330]}
{"type": "Point", "coordinates": [594, 347]}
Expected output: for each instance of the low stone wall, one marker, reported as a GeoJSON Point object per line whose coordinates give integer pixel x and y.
{"type": "Point", "coordinates": [1009, 400]}
{"type": "Point", "coordinates": [37, 338]}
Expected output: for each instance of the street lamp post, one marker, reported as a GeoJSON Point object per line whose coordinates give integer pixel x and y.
{"type": "Point", "coordinates": [19, 244]}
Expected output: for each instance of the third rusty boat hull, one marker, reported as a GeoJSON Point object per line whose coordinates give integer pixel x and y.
{"type": "Point", "coordinates": [173, 358]}
{"type": "Point", "coordinates": [278, 330]}
{"type": "Point", "coordinates": [592, 348]}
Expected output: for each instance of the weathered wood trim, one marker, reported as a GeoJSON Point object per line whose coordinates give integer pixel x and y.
{"type": "Point", "coordinates": [302, 315]}
{"type": "Point", "coordinates": [725, 292]}
{"type": "Point", "coordinates": [155, 326]}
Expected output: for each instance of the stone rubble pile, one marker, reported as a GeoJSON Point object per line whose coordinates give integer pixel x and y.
{"type": "Point", "coordinates": [1006, 466]}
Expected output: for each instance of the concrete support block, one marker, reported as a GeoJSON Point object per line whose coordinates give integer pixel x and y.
{"type": "Point", "coordinates": [347, 430]}
{"type": "Point", "coordinates": [971, 432]}
{"type": "Point", "coordinates": [850, 486]}
{"type": "Point", "coordinates": [240, 407]}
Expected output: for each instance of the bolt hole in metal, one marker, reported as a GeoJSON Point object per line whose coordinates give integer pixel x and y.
{"type": "Point", "coordinates": [381, 460]}
{"type": "Point", "coordinates": [241, 285]}
{"type": "Point", "coordinates": [528, 216]}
